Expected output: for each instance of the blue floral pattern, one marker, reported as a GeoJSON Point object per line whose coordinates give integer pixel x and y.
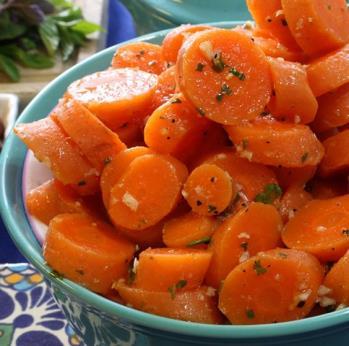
{"type": "Point", "coordinates": [29, 316]}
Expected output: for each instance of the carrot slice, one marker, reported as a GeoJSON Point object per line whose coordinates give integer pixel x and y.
{"type": "Point", "coordinates": [166, 87]}
{"type": "Point", "coordinates": [287, 177]}
{"type": "Point", "coordinates": [53, 147]}
{"type": "Point", "coordinates": [293, 99]}
{"type": "Point", "coordinates": [188, 230]}
{"type": "Point", "coordinates": [224, 75]}
{"type": "Point", "coordinates": [274, 286]}
{"type": "Point", "coordinates": [318, 26]}
{"type": "Point", "coordinates": [336, 284]}
{"type": "Point", "coordinates": [269, 16]}
{"type": "Point", "coordinates": [336, 158]}
{"type": "Point", "coordinates": [293, 199]}
{"type": "Point", "coordinates": [116, 96]}
{"type": "Point", "coordinates": [319, 228]}
{"type": "Point", "coordinates": [173, 267]}
{"type": "Point", "coordinates": [175, 128]}
{"type": "Point", "coordinates": [174, 40]}
{"type": "Point", "coordinates": [117, 167]}
{"type": "Point", "coordinates": [209, 190]}
{"type": "Point", "coordinates": [251, 230]}
{"type": "Point", "coordinates": [333, 110]}
{"type": "Point", "coordinates": [199, 305]}
{"type": "Point", "coordinates": [143, 55]}
{"type": "Point", "coordinates": [147, 192]}
{"type": "Point", "coordinates": [94, 139]}
{"type": "Point", "coordinates": [87, 251]}
{"type": "Point", "coordinates": [329, 72]}
{"type": "Point", "coordinates": [275, 143]}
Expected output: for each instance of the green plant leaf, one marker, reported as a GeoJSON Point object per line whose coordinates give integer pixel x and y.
{"type": "Point", "coordinates": [69, 14]}
{"type": "Point", "coordinates": [86, 27]}
{"type": "Point", "coordinates": [8, 29]}
{"type": "Point", "coordinates": [60, 4]}
{"type": "Point", "coordinates": [67, 45]}
{"type": "Point", "coordinates": [49, 35]}
{"type": "Point", "coordinates": [8, 66]}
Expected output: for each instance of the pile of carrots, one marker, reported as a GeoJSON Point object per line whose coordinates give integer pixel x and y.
{"type": "Point", "coordinates": [205, 179]}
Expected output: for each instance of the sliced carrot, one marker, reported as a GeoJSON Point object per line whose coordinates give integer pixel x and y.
{"type": "Point", "coordinates": [188, 230]}
{"type": "Point", "coordinates": [319, 228]}
{"type": "Point", "coordinates": [209, 190]}
{"type": "Point", "coordinates": [199, 305]}
{"type": "Point", "coordinates": [269, 16]}
{"type": "Point", "coordinates": [328, 188]}
{"type": "Point", "coordinates": [54, 148]}
{"type": "Point", "coordinates": [287, 177]}
{"type": "Point", "coordinates": [333, 110]}
{"type": "Point", "coordinates": [143, 55]}
{"type": "Point", "coordinates": [274, 286]}
{"type": "Point", "coordinates": [94, 139]}
{"type": "Point", "coordinates": [329, 72]}
{"type": "Point", "coordinates": [174, 40]}
{"type": "Point", "coordinates": [53, 198]}
{"type": "Point", "coordinates": [175, 128]}
{"type": "Point", "coordinates": [173, 267]}
{"type": "Point", "coordinates": [116, 96]}
{"type": "Point", "coordinates": [275, 143]}
{"type": "Point", "coordinates": [224, 75]}
{"type": "Point", "coordinates": [293, 199]}
{"type": "Point", "coordinates": [87, 251]}
{"type": "Point", "coordinates": [336, 158]}
{"type": "Point", "coordinates": [292, 99]}
{"type": "Point", "coordinates": [147, 192]}
{"type": "Point", "coordinates": [336, 283]}
{"type": "Point", "coordinates": [166, 87]}
{"type": "Point", "coordinates": [130, 133]}
{"type": "Point", "coordinates": [117, 167]}
{"type": "Point", "coordinates": [253, 229]}
{"type": "Point", "coordinates": [318, 26]}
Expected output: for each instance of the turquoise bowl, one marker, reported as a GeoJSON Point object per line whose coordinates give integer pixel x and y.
{"type": "Point", "coordinates": [102, 322]}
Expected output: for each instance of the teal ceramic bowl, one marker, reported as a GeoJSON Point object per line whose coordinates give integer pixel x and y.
{"type": "Point", "coordinates": [101, 322]}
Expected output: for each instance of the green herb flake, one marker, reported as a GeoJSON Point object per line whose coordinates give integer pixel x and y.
{"type": "Point", "coordinates": [199, 67]}
{"type": "Point", "coordinates": [304, 157]}
{"type": "Point", "coordinates": [244, 246]}
{"type": "Point", "coordinates": [81, 183]}
{"type": "Point", "coordinates": [270, 193]}
{"type": "Point", "coordinates": [244, 144]}
{"type": "Point", "coordinates": [173, 289]}
{"type": "Point", "coordinates": [250, 314]}
{"type": "Point", "coordinates": [201, 112]}
{"type": "Point", "coordinates": [212, 209]}
{"type": "Point", "coordinates": [219, 97]}
{"type": "Point", "coordinates": [259, 269]}
{"type": "Point", "coordinates": [237, 74]}
{"type": "Point", "coordinates": [345, 232]}
{"type": "Point", "coordinates": [176, 100]}
{"type": "Point", "coordinates": [217, 62]}
{"type": "Point", "coordinates": [226, 90]}
{"type": "Point", "coordinates": [283, 255]}
{"type": "Point", "coordinates": [205, 240]}
{"type": "Point", "coordinates": [107, 160]}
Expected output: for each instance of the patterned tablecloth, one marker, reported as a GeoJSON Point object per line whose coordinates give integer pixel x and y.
{"type": "Point", "coordinates": [28, 314]}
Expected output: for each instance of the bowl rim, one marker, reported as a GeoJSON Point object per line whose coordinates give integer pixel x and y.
{"type": "Point", "coordinates": [140, 318]}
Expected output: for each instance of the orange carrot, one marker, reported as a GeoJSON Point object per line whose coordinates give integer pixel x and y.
{"type": "Point", "coordinates": [87, 251]}
{"type": "Point", "coordinates": [53, 147]}
{"type": "Point", "coordinates": [198, 305]}
{"type": "Point", "coordinates": [320, 228]}
{"type": "Point", "coordinates": [209, 190]}
{"type": "Point", "coordinates": [336, 158]}
{"type": "Point", "coordinates": [275, 143]}
{"type": "Point", "coordinates": [116, 96]}
{"type": "Point", "coordinates": [143, 55]}
{"type": "Point", "coordinates": [274, 286]}
{"type": "Point", "coordinates": [253, 229]}
{"type": "Point", "coordinates": [333, 110]}
{"type": "Point", "coordinates": [147, 192]}
{"type": "Point", "coordinates": [329, 72]}
{"type": "Point", "coordinates": [292, 99]}
{"type": "Point", "coordinates": [224, 75]}
{"type": "Point", "coordinates": [336, 284]}
{"type": "Point", "coordinates": [269, 16]}
{"type": "Point", "coordinates": [188, 230]}
{"type": "Point", "coordinates": [174, 40]}
{"type": "Point", "coordinates": [287, 177]}
{"type": "Point", "coordinates": [93, 138]}
{"type": "Point", "coordinates": [318, 26]}
{"type": "Point", "coordinates": [176, 269]}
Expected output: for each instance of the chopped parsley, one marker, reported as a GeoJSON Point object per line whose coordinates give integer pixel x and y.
{"type": "Point", "coordinates": [345, 232]}
{"type": "Point", "coordinates": [282, 255]}
{"type": "Point", "coordinates": [81, 183]}
{"type": "Point", "coordinates": [205, 240]}
{"type": "Point", "coordinates": [270, 193]}
{"type": "Point", "coordinates": [131, 274]}
{"type": "Point", "coordinates": [304, 157]}
{"type": "Point", "coordinates": [244, 144]}
{"type": "Point", "coordinates": [244, 245]}
{"type": "Point", "coordinates": [219, 97]}
{"type": "Point", "coordinates": [212, 209]}
{"type": "Point", "coordinates": [107, 160]}
{"type": "Point", "coordinates": [217, 62]}
{"type": "Point", "coordinates": [201, 112]}
{"type": "Point", "coordinates": [250, 314]}
{"type": "Point", "coordinates": [199, 67]}
{"type": "Point", "coordinates": [225, 90]}
{"type": "Point", "coordinates": [237, 74]}
{"type": "Point", "coordinates": [173, 289]}
{"type": "Point", "coordinates": [176, 100]}
{"type": "Point", "coordinates": [259, 269]}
